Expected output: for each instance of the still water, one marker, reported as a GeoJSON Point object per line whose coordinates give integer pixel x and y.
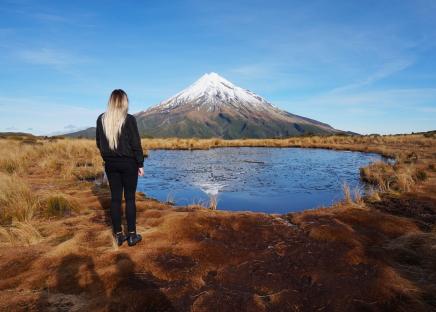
{"type": "Point", "coordinates": [272, 180]}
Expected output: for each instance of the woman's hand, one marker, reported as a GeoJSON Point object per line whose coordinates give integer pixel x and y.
{"type": "Point", "coordinates": [141, 171]}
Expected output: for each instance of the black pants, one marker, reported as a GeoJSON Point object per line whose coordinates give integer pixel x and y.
{"type": "Point", "coordinates": [122, 175]}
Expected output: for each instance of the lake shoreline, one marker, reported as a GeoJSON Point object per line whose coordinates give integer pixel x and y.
{"type": "Point", "coordinates": [365, 254]}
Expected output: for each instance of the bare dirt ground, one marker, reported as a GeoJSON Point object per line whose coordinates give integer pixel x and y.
{"type": "Point", "coordinates": [379, 255]}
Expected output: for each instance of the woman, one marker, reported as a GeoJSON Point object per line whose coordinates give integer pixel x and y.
{"type": "Point", "coordinates": [120, 147]}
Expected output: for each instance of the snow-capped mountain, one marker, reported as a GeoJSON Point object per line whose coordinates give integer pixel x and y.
{"type": "Point", "coordinates": [214, 107]}
{"type": "Point", "coordinates": [212, 91]}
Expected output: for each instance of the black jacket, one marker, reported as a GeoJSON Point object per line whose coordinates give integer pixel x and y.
{"type": "Point", "coordinates": [129, 143]}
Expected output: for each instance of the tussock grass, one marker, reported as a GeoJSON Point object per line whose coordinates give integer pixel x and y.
{"type": "Point", "coordinates": [213, 201]}
{"type": "Point", "coordinates": [389, 145]}
{"type": "Point", "coordinates": [20, 233]}
{"type": "Point", "coordinates": [373, 196]}
{"type": "Point", "coordinates": [352, 197]}
{"type": "Point", "coordinates": [347, 194]}
{"type": "Point", "coordinates": [17, 201]}
{"type": "Point", "coordinates": [400, 177]}
{"type": "Point", "coordinates": [9, 165]}
{"type": "Point", "coordinates": [66, 159]}
{"type": "Point", "coordinates": [59, 205]}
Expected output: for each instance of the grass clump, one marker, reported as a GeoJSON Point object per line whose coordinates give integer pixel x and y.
{"type": "Point", "coordinates": [9, 165]}
{"type": "Point", "coordinates": [352, 197]}
{"type": "Point", "coordinates": [421, 175]}
{"type": "Point", "coordinates": [60, 205]}
{"type": "Point", "coordinates": [213, 201]}
{"type": "Point", "coordinates": [17, 201]}
{"type": "Point", "coordinates": [18, 206]}
{"type": "Point", "coordinates": [20, 233]}
{"type": "Point", "coordinates": [400, 177]}
{"type": "Point", "coordinates": [86, 173]}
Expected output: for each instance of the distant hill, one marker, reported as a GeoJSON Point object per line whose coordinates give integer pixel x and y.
{"type": "Point", "coordinates": [9, 134]}
{"type": "Point", "coordinates": [215, 107]}
{"type": "Point", "coordinates": [88, 133]}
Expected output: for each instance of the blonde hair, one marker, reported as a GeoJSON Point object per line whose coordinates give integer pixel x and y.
{"type": "Point", "coordinates": [114, 117]}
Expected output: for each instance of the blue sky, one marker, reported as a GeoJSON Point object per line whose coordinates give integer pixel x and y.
{"type": "Point", "coordinates": [364, 66]}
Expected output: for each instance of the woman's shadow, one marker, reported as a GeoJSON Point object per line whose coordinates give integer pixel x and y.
{"type": "Point", "coordinates": [76, 282]}
{"type": "Point", "coordinates": [79, 287]}
{"type": "Point", "coordinates": [136, 291]}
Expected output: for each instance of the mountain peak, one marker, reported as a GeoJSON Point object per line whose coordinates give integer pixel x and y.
{"type": "Point", "coordinates": [213, 77]}
{"type": "Point", "coordinates": [212, 90]}
{"type": "Point", "coordinates": [209, 82]}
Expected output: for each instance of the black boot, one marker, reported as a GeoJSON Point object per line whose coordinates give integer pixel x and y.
{"type": "Point", "coordinates": [133, 238]}
{"type": "Point", "coordinates": [120, 238]}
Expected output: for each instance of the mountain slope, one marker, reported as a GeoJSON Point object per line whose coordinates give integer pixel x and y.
{"type": "Point", "coordinates": [215, 107]}
{"type": "Point", "coordinates": [86, 133]}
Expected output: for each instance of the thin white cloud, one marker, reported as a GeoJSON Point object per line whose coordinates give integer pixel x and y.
{"type": "Point", "coordinates": [385, 111]}
{"type": "Point", "coordinates": [48, 17]}
{"type": "Point", "coordinates": [385, 71]}
{"type": "Point", "coordinates": [391, 98]}
{"type": "Point", "coordinates": [253, 70]}
{"type": "Point", "coordinates": [52, 57]}
{"type": "Point", "coordinates": [428, 110]}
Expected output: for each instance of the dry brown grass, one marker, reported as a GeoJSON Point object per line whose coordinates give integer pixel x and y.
{"type": "Point", "coordinates": [19, 234]}
{"type": "Point", "coordinates": [400, 177]}
{"type": "Point", "coordinates": [64, 159]}
{"type": "Point", "coordinates": [392, 146]}
{"type": "Point", "coordinates": [352, 197]}
{"type": "Point", "coordinates": [17, 201]}
{"type": "Point", "coordinates": [193, 258]}
{"type": "Point", "coordinates": [59, 205]}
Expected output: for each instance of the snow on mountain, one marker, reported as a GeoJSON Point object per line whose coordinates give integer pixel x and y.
{"type": "Point", "coordinates": [213, 90]}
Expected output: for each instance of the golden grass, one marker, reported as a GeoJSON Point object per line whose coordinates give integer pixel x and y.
{"type": "Point", "coordinates": [19, 233]}
{"type": "Point", "coordinates": [385, 145]}
{"type": "Point", "coordinates": [64, 159]}
{"type": "Point", "coordinates": [17, 201]}
{"type": "Point", "coordinates": [213, 201]}
{"type": "Point", "coordinates": [352, 197]}
{"type": "Point", "coordinates": [392, 178]}
{"type": "Point", "coordinates": [60, 205]}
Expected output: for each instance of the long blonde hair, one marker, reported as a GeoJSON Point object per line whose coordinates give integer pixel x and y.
{"type": "Point", "coordinates": [114, 117]}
